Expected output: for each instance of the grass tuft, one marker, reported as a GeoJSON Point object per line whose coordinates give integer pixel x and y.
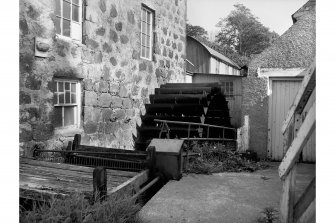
{"type": "Point", "coordinates": [76, 208]}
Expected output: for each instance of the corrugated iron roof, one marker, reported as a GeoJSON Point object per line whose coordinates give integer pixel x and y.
{"type": "Point", "coordinates": [216, 54]}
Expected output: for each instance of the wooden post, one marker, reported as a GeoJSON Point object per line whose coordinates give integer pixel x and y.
{"type": "Point", "coordinates": [99, 184]}
{"type": "Point", "coordinates": [207, 131]}
{"type": "Point", "coordinates": [151, 159]}
{"type": "Point", "coordinates": [76, 141]}
{"type": "Point", "coordinates": [287, 198]}
{"type": "Point", "coordinates": [67, 156]}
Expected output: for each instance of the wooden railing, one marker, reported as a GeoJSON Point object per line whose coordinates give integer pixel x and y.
{"type": "Point", "coordinates": [297, 129]}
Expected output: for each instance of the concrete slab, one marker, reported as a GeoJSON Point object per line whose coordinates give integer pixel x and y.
{"type": "Point", "coordinates": [222, 197]}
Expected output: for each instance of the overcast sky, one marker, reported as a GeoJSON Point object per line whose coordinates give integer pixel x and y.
{"type": "Point", "coordinates": [274, 14]}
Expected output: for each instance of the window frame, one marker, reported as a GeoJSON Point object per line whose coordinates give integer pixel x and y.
{"type": "Point", "coordinates": [150, 34]}
{"type": "Point", "coordinates": [77, 23]}
{"type": "Point", "coordinates": [77, 104]}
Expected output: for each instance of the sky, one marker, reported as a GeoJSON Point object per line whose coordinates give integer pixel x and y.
{"type": "Point", "coordinates": [274, 14]}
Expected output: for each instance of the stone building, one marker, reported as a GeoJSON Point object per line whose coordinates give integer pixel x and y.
{"type": "Point", "coordinates": [89, 66]}
{"type": "Point", "coordinates": [272, 82]}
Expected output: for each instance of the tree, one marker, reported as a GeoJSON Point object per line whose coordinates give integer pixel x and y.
{"type": "Point", "coordinates": [242, 32]}
{"type": "Point", "coordinates": [196, 31]}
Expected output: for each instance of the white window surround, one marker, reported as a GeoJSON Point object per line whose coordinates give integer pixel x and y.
{"type": "Point", "coordinates": [147, 21]}
{"type": "Point", "coordinates": [73, 19]}
{"type": "Point", "coordinates": [63, 102]}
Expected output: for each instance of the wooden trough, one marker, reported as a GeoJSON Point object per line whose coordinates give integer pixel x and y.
{"type": "Point", "coordinates": [54, 173]}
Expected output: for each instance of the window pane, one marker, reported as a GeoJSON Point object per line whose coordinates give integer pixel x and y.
{"type": "Point", "coordinates": [75, 2]}
{"type": "Point", "coordinates": [143, 15]}
{"type": "Point", "coordinates": [147, 54]}
{"type": "Point", "coordinates": [148, 17]}
{"type": "Point", "coordinates": [148, 41]}
{"type": "Point", "coordinates": [73, 98]}
{"type": "Point", "coordinates": [67, 97]}
{"type": "Point", "coordinates": [143, 27]}
{"type": "Point", "coordinates": [58, 117]}
{"type": "Point", "coordinates": [66, 28]}
{"type": "Point", "coordinates": [69, 116]}
{"type": "Point", "coordinates": [148, 29]}
{"type": "Point", "coordinates": [143, 39]}
{"type": "Point", "coordinates": [57, 25]}
{"type": "Point", "coordinates": [75, 13]}
{"type": "Point", "coordinates": [57, 11]}
{"type": "Point", "coordinates": [143, 51]}
{"type": "Point", "coordinates": [61, 98]}
{"type": "Point", "coordinates": [66, 10]}
{"type": "Point", "coordinates": [60, 86]}
{"type": "Point", "coordinates": [67, 86]}
{"type": "Point", "coordinates": [55, 98]}
{"type": "Point", "coordinates": [73, 87]}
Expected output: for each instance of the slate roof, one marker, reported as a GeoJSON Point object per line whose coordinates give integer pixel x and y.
{"type": "Point", "coordinates": [217, 55]}
{"type": "Point", "coordinates": [294, 49]}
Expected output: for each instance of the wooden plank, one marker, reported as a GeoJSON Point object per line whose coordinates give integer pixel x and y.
{"type": "Point", "coordinates": [64, 166]}
{"type": "Point", "coordinates": [298, 143]}
{"type": "Point", "coordinates": [308, 77]}
{"type": "Point", "coordinates": [305, 200]}
{"type": "Point", "coordinates": [131, 185]}
{"type": "Point", "coordinates": [309, 215]}
{"type": "Point", "coordinates": [287, 198]}
{"type": "Point", "coordinates": [71, 176]}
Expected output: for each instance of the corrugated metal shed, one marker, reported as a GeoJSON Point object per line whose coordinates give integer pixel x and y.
{"type": "Point", "coordinates": [217, 55]}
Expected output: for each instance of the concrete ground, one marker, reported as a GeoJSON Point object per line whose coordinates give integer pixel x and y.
{"type": "Point", "coordinates": [222, 197]}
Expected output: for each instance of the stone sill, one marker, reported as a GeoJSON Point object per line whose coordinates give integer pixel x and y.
{"type": "Point", "coordinates": [69, 39]}
{"type": "Point", "coordinates": [68, 132]}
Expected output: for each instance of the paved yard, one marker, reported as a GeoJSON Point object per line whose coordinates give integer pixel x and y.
{"type": "Point", "coordinates": [222, 197]}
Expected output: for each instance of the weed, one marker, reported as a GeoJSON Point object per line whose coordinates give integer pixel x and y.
{"type": "Point", "coordinates": [270, 215]}
{"type": "Point", "coordinates": [216, 157]}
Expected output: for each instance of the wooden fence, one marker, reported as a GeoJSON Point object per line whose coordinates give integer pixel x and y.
{"type": "Point", "coordinates": [297, 129]}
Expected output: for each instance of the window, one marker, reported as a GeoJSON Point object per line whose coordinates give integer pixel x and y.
{"type": "Point", "coordinates": [67, 103]}
{"type": "Point", "coordinates": [228, 89]}
{"type": "Point", "coordinates": [68, 18]}
{"type": "Point", "coordinates": [217, 67]}
{"type": "Point", "coordinates": [146, 33]}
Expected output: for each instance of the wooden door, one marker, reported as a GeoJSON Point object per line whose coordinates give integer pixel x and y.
{"type": "Point", "coordinates": [281, 99]}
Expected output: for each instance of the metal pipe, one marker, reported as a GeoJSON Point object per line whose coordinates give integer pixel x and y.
{"type": "Point", "coordinates": [91, 152]}
{"type": "Point", "coordinates": [108, 159]}
{"type": "Point", "coordinates": [212, 139]}
{"type": "Point", "coordinates": [192, 123]}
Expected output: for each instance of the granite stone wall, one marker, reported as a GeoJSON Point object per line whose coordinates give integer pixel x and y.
{"type": "Point", "coordinates": [115, 81]}
{"type": "Point", "coordinates": [255, 104]}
